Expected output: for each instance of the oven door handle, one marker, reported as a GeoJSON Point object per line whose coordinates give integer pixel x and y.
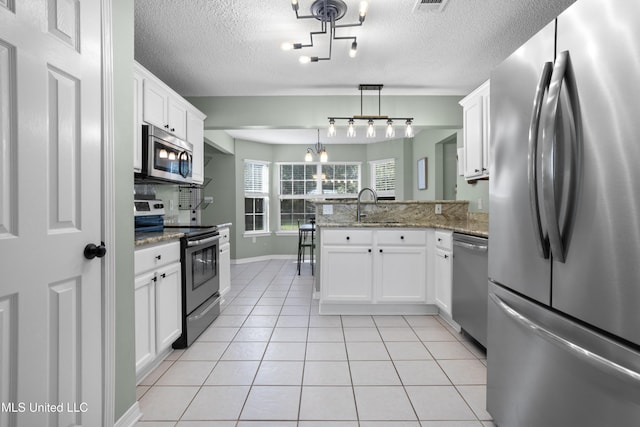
{"type": "Point", "coordinates": [191, 243]}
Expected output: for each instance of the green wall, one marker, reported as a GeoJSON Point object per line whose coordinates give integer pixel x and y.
{"type": "Point", "coordinates": [228, 195]}
{"type": "Point", "coordinates": [309, 112]}
{"type": "Point", "coordinates": [125, 376]}
{"type": "Point", "coordinates": [441, 115]}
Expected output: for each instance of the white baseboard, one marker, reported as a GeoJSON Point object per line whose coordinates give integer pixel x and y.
{"type": "Point", "coordinates": [130, 418]}
{"type": "Point", "coordinates": [262, 258]}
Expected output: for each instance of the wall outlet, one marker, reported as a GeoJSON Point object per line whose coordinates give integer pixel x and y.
{"type": "Point", "coordinates": [438, 209]}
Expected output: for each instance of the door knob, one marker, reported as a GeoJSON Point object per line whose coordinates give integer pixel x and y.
{"type": "Point", "coordinates": [92, 251]}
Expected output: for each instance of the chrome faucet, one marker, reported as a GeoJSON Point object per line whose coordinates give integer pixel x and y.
{"type": "Point", "coordinates": [359, 213]}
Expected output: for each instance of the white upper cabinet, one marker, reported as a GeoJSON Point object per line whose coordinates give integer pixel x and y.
{"type": "Point", "coordinates": [157, 104]}
{"type": "Point", "coordinates": [161, 109]}
{"type": "Point", "coordinates": [195, 135]}
{"type": "Point", "coordinates": [476, 132]}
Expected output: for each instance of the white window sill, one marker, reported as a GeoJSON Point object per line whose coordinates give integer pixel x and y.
{"type": "Point", "coordinates": [256, 234]}
{"type": "Point", "coordinates": [288, 233]}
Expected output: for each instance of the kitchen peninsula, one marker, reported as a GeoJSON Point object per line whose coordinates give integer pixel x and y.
{"type": "Point", "coordinates": [396, 260]}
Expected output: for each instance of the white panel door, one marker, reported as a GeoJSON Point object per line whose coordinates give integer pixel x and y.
{"type": "Point", "coordinates": [50, 208]}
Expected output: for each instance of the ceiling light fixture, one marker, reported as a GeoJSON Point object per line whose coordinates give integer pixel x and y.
{"type": "Point", "coordinates": [371, 128]}
{"type": "Point", "coordinates": [319, 150]}
{"type": "Point", "coordinates": [327, 12]}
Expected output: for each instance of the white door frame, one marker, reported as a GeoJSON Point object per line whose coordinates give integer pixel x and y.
{"type": "Point", "coordinates": [108, 232]}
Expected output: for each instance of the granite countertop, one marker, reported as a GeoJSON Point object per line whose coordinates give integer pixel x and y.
{"type": "Point", "coordinates": [466, 226]}
{"type": "Point", "coordinates": [147, 238]}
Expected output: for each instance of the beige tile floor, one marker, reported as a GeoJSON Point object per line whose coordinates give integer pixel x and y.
{"type": "Point", "coordinates": [270, 360]}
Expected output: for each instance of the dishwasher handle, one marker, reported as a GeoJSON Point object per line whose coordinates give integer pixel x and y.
{"type": "Point", "coordinates": [471, 246]}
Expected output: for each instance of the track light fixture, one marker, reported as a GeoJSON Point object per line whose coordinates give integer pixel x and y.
{"type": "Point", "coordinates": [327, 12]}
{"type": "Point", "coordinates": [319, 150]}
{"type": "Point", "coordinates": [371, 119]}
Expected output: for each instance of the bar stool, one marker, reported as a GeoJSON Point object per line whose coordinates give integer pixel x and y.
{"type": "Point", "coordinates": [306, 239]}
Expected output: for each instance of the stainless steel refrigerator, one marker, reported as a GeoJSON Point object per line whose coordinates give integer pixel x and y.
{"type": "Point", "coordinates": [564, 261]}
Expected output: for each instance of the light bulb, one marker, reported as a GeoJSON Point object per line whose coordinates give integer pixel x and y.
{"type": "Point", "coordinates": [304, 59]}
{"type": "Point", "coordinates": [323, 156]}
{"type": "Point", "coordinates": [408, 132]}
{"type": "Point", "coordinates": [371, 130]}
{"type": "Point", "coordinates": [286, 46]}
{"type": "Point", "coordinates": [332, 128]}
{"type": "Point", "coordinates": [163, 154]}
{"type": "Point", "coordinates": [172, 156]}
{"type": "Point", "coordinates": [294, 5]}
{"type": "Point", "coordinates": [351, 130]}
{"type": "Point", "coordinates": [363, 10]}
{"type": "Point", "coordinates": [354, 50]}
{"type": "Point", "coordinates": [308, 157]}
{"type": "Point", "coordinates": [390, 133]}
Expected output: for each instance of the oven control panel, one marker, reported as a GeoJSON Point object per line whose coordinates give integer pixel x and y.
{"type": "Point", "coordinates": [148, 207]}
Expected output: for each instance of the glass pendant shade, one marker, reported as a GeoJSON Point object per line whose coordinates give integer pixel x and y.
{"type": "Point", "coordinates": [390, 132]}
{"type": "Point", "coordinates": [351, 130]}
{"type": "Point", "coordinates": [408, 132]}
{"type": "Point", "coordinates": [163, 154]}
{"type": "Point", "coordinates": [371, 130]}
{"type": "Point", "coordinates": [323, 156]}
{"type": "Point", "coordinates": [332, 129]}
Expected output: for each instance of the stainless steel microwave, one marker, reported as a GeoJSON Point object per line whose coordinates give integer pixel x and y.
{"type": "Point", "coordinates": [165, 157]}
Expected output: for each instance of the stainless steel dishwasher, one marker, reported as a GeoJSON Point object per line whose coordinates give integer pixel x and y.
{"type": "Point", "coordinates": [470, 285]}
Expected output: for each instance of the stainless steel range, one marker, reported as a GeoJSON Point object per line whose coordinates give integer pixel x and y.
{"type": "Point", "coordinates": [200, 281]}
{"type": "Point", "coordinates": [199, 256]}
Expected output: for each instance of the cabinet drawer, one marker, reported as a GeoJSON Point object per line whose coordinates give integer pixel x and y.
{"type": "Point", "coordinates": [402, 237]}
{"type": "Point", "coordinates": [444, 240]}
{"type": "Point", "coordinates": [347, 237]}
{"type": "Point", "coordinates": [156, 256]}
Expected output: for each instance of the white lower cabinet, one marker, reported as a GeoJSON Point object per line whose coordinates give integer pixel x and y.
{"type": "Point", "coordinates": [224, 262]}
{"type": "Point", "coordinates": [346, 274]}
{"type": "Point", "coordinates": [402, 274]}
{"type": "Point", "coordinates": [375, 266]}
{"type": "Point", "coordinates": [158, 297]}
{"type": "Point", "coordinates": [443, 270]}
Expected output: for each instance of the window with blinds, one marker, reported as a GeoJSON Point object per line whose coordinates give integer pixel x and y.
{"type": "Point", "coordinates": [256, 196]}
{"type": "Point", "coordinates": [383, 177]}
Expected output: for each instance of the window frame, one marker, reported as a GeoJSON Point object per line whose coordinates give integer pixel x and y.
{"type": "Point", "coordinates": [264, 194]}
{"type": "Point", "coordinates": [373, 181]}
{"type": "Point", "coordinates": [318, 195]}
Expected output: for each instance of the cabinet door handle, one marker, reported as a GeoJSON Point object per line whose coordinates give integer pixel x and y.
{"type": "Point", "coordinates": [401, 237]}
{"type": "Point", "coordinates": [446, 256]}
{"type": "Point", "coordinates": [380, 250]}
{"type": "Point", "coordinates": [166, 126]}
{"type": "Point", "coordinates": [155, 278]}
{"type": "Point", "coordinates": [477, 170]}
{"type": "Point", "coordinates": [369, 250]}
{"type": "Point", "coordinates": [163, 275]}
{"type": "Point", "coordinates": [158, 257]}
{"type": "Point", "coordinates": [348, 237]}
{"type": "Point", "coordinates": [173, 129]}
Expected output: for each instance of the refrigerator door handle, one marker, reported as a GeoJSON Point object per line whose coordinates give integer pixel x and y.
{"type": "Point", "coordinates": [542, 241]}
{"type": "Point", "coordinates": [549, 141]}
{"type": "Point", "coordinates": [595, 360]}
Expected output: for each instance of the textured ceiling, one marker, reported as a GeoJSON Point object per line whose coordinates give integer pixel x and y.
{"type": "Point", "coordinates": [232, 47]}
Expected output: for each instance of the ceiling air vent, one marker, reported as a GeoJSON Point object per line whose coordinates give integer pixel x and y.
{"type": "Point", "coordinates": [435, 6]}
